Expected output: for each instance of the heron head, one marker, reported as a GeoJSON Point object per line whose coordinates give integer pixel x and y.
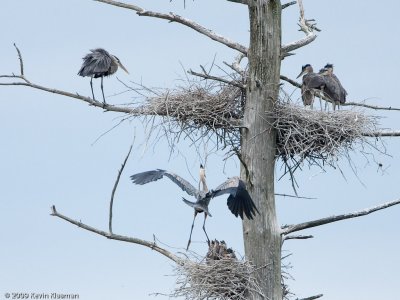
{"type": "Point", "coordinates": [305, 69]}
{"type": "Point", "coordinates": [329, 67]}
{"type": "Point", "coordinates": [120, 64]}
{"type": "Point", "coordinates": [323, 72]}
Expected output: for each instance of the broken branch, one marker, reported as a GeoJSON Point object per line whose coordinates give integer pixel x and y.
{"type": "Point", "coordinates": [293, 228]}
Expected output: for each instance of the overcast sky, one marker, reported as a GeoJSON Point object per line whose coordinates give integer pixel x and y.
{"type": "Point", "coordinates": [51, 153]}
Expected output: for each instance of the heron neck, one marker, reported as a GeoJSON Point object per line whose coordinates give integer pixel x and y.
{"type": "Point", "coordinates": [203, 182]}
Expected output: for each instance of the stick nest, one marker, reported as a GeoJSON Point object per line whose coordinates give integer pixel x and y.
{"type": "Point", "coordinates": [318, 137]}
{"type": "Point", "coordinates": [219, 276]}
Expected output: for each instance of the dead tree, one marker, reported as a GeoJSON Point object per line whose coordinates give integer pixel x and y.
{"type": "Point", "coordinates": [248, 126]}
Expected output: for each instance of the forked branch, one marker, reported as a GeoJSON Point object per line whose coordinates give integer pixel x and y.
{"type": "Point", "coordinates": [307, 27]}
{"type": "Point", "coordinates": [178, 19]}
{"type": "Point", "coordinates": [112, 236]}
{"type": "Point", "coordinates": [298, 227]}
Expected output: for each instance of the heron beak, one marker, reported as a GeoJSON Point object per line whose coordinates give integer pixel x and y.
{"type": "Point", "coordinates": [301, 73]}
{"type": "Point", "coordinates": [122, 67]}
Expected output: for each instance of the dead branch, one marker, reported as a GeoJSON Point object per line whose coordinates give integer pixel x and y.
{"type": "Point", "coordinates": [312, 297]}
{"type": "Point", "coordinates": [205, 75]}
{"type": "Point", "coordinates": [294, 196]}
{"type": "Point", "coordinates": [178, 19]}
{"type": "Point", "coordinates": [245, 2]}
{"type": "Point", "coordinates": [387, 133]}
{"type": "Point", "coordinates": [286, 5]}
{"type": "Point", "coordinates": [291, 81]}
{"type": "Point", "coordinates": [115, 187]}
{"type": "Point", "coordinates": [297, 237]}
{"type": "Point", "coordinates": [369, 106]}
{"type": "Point", "coordinates": [112, 236]}
{"type": "Point", "coordinates": [293, 228]}
{"type": "Point", "coordinates": [307, 27]}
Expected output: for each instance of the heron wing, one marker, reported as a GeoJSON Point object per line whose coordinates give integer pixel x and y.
{"type": "Point", "coordinates": [342, 91]}
{"type": "Point", "coordinates": [313, 81]}
{"type": "Point", "coordinates": [239, 200]}
{"type": "Point", "coordinates": [149, 176]}
{"type": "Point", "coordinates": [96, 64]}
{"type": "Point", "coordinates": [332, 89]}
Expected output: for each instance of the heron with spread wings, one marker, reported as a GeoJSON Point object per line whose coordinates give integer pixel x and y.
{"type": "Point", "coordinates": [239, 201]}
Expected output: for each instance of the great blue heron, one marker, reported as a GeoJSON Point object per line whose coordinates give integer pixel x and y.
{"type": "Point", "coordinates": [311, 81]}
{"type": "Point", "coordinates": [342, 91]}
{"type": "Point", "coordinates": [239, 201]}
{"type": "Point", "coordinates": [99, 63]}
{"type": "Point", "coordinates": [331, 89]}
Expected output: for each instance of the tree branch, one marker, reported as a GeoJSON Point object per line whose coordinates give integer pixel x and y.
{"type": "Point", "coordinates": [286, 5]}
{"type": "Point", "coordinates": [312, 297]}
{"type": "Point", "coordinates": [245, 2]}
{"type": "Point", "coordinates": [297, 237]}
{"type": "Point", "coordinates": [291, 81]}
{"type": "Point", "coordinates": [116, 185]}
{"type": "Point", "coordinates": [208, 76]}
{"type": "Point", "coordinates": [369, 106]}
{"type": "Point", "coordinates": [178, 19]}
{"type": "Point", "coordinates": [391, 133]}
{"type": "Point", "coordinates": [307, 27]}
{"type": "Point", "coordinates": [117, 237]}
{"type": "Point", "coordinates": [293, 228]}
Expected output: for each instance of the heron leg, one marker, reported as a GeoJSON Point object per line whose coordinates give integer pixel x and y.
{"type": "Point", "coordinates": [102, 90]}
{"type": "Point", "coordinates": [191, 230]}
{"type": "Point", "coordinates": [91, 86]}
{"type": "Point", "coordinates": [204, 228]}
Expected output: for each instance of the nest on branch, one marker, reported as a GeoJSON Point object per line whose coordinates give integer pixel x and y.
{"type": "Point", "coordinates": [199, 111]}
{"type": "Point", "coordinates": [317, 137]}
{"type": "Point", "coordinates": [219, 276]}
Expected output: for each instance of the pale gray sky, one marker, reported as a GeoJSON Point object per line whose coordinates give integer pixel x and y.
{"type": "Point", "coordinates": [48, 156]}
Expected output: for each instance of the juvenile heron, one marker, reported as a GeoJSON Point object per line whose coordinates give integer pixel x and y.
{"type": "Point", "coordinates": [311, 81]}
{"type": "Point", "coordinates": [342, 91]}
{"type": "Point", "coordinates": [239, 201]}
{"type": "Point", "coordinates": [331, 89]}
{"type": "Point", "coordinates": [99, 63]}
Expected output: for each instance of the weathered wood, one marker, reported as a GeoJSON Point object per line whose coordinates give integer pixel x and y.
{"type": "Point", "coordinates": [262, 238]}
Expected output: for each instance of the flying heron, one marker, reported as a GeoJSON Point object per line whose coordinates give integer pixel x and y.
{"type": "Point", "coordinates": [239, 201]}
{"type": "Point", "coordinates": [311, 81]}
{"type": "Point", "coordinates": [99, 63]}
{"type": "Point", "coordinates": [341, 91]}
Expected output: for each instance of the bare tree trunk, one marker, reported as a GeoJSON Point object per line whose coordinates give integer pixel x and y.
{"type": "Point", "coordinates": [262, 238]}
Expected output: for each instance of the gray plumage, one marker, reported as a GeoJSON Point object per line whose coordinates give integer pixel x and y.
{"type": "Point", "coordinates": [311, 81]}
{"type": "Point", "coordinates": [99, 63]}
{"type": "Point", "coordinates": [342, 90]}
{"type": "Point", "coordinates": [239, 201]}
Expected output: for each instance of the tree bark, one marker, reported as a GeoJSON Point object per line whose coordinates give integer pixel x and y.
{"type": "Point", "coordinates": [262, 238]}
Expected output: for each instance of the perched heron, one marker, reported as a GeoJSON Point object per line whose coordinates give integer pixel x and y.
{"type": "Point", "coordinates": [239, 201]}
{"type": "Point", "coordinates": [331, 89]}
{"type": "Point", "coordinates": [99, 63]}
{"type": "Point", "coordinates": [311, 81]}
{"type": "Point", "coordinates": [342, 91]}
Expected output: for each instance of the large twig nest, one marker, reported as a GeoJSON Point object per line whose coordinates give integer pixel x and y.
{"type": "Point", "coordinates": [318, 137]}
